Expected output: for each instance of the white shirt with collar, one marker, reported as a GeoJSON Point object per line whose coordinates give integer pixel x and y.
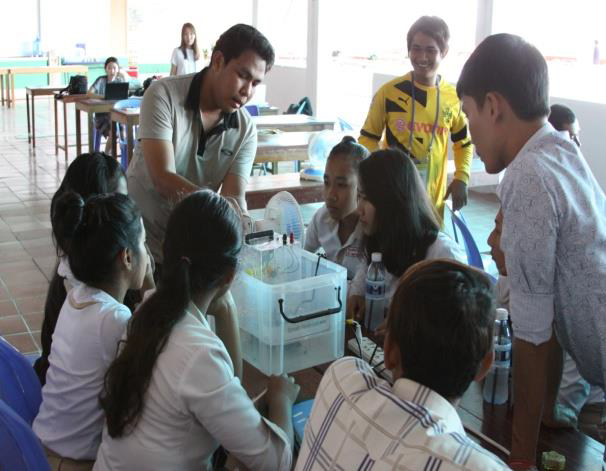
{"type": "Point", "coordinates": [85, 342]}
{"type": "Point", "coordinates": [193, 404]}
{"type": "Point", "coordinates": [554, 240]}
{"type": "Point", "coordinates": [359, 421]}
{"type": "Point", "coordinates": [323, 231]}
{"type": "Point", "coordinates": [443, 247]}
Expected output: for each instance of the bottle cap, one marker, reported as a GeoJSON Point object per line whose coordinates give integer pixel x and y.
{"type": "Point", "coordinates": [502, 314]}
{"type": "Point", "coordinates": [376, 257]}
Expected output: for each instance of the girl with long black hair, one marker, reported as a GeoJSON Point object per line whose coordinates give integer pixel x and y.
{"type": "Point", "coordinates": [107, 256]}
{"type": "Point", "coordinates": [171, 397]}
{"type": "Point", "coordinates": [398, 220]}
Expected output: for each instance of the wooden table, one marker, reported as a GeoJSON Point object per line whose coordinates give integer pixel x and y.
{"type": "Point", "coordinates": [66, 100]}
{"type": "Point", "coordinates": [293, 122]}
{"type": "Point", "coordinates": [46, 69]}
{"type": "Point", "coordinates": [261, 188]}
{"type": "Point", "coordinates": [282, 147]}
{"type": "Point", "coordinates": [90, 106]}
{"type": "Point", "coordinates": [130, 118]}
{"type": "Point", "coordinates": [34, 92]}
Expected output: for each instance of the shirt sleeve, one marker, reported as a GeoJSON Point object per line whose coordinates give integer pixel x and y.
{"type": "Point", "coordinates": [529, 239]}
{"type": "Point", "coordinates": [113, 327]}
{"type": "Point", "coordinates": [96, 86]}
{"type": "Point", "coordinates": [213, 394]}
{"type": "Point", "coordinates": [461, 146]}
{"type": "Point", "coordinates": [174, 58]}
{"type": "Point", "coordinates": [445, 247]}
{"type": "Point", "coordinates": [156, 114]}
{"type": "Point", "coordinates": [357, 287]}
{"type": "Point", "coordinates": [243, 162]}
{"type": "Point", "coordinates": [371, 132]}
{"type": "Point", "coordinates": [312, 243]}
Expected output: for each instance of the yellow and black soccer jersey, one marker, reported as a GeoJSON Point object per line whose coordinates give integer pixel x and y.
{"type": "Point", "coordinates": [390, 116]}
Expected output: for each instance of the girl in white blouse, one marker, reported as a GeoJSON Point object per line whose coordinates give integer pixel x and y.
{"type": "Point", "coordinates": [107, 256]}
{"type": "Point", "coordinates": [171, 397]}
{"type": "Point", "coordinates": [335, 226]}
{"type": "Point", "coordinates": [186, 57]}
{"type": "Point", "coordinates": [398, 220]}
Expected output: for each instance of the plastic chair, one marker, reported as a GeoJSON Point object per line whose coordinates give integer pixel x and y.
{"type": "Point", "coordinates": [474, 258]}
{"type": "Point", "coordinates": [21, 449]}
{"type": "Point", "coordinates": [19, 386]}
{"type": "Point", "coordinates": [252, 109]}
{"type": "Point", "coordinates": [132, 102]}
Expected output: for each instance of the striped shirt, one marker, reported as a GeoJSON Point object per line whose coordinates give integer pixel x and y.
{"type": "Point", "coordinates": [360, 422]}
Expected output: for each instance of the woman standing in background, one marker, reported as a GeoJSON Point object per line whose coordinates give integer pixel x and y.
{"type": "Point", "coordinates": [185, 58]}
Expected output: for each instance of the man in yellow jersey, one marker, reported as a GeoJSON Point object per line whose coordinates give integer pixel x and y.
{"type": "Point", "coordinates": [417, 112]}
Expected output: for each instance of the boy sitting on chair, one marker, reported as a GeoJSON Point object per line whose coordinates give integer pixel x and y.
{"type": "Point", "coordinates": [438, 340]}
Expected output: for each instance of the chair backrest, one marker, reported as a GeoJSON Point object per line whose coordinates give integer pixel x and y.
{"type": "Point", "coordinates": [21, 449]}
{"type": "Point", "coordinates": [253, 110]}
{"type": "Point", "coordinates": [474, 258]}
{"type": "Point", "coordinates": [19, 386]}
{"type": "Point", "coordinates": [133, 102]}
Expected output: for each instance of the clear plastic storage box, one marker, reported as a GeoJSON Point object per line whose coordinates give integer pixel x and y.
{"type": "Point", "coordinates": [291, 308]}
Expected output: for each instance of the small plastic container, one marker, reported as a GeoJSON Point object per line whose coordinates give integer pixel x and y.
{"type": "Point", "coordinates": [291, 308]}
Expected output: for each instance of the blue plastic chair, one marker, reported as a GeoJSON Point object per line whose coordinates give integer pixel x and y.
{"type": "Point", "coordinates": [21, 449]}
{"type": "Point", "coordinates": [474, 258]}
{"type": "Point", "coordinates": [19, 386]}
{"type": "Point", "coordinates": [132, 102]}
{"type": "Point", "coordinates": [252, 109]}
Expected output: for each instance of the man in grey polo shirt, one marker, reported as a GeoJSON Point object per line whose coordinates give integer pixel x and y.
{"type": "Point", "coordinates": [194, 132]}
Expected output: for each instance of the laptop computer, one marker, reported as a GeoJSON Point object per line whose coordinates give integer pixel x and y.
{"type": "Point", "coordinates": [116, 91]}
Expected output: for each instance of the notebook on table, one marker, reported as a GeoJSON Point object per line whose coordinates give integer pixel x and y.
{"type": "Point", "coordinates": [116, 91]}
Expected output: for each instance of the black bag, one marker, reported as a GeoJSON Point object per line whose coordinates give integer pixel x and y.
{"type": "Point", "coordinates": [78, 85]}
{"type": "Point", "coordinates": [303, 107]}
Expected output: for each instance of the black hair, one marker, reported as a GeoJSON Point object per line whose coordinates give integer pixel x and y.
{"type": "Point", "coordinates": [508, 65]}
{"type": "Point", "coordinates": [240, 38]}
{"type": "Point", "coordinates": [350, 150]}
{"type": "Point", "coordinates": [194, 46]}
{"type": "Point", "coordinates": [434, 27]}
{"type": "Point", "coordinates": [97, 230]}
{"type": "Point", "coordinates": [406, 223]}
{"type": "Point", "coordinates": [560, 116]}
{"type": "Point", "coordinates": [201, 246]}
{"type": "Point", "coordinates": [109, 60]}
{"type": "Point", "coordinates": [89, 174]}
{"type": "Point", "coordinates": [442, 320]}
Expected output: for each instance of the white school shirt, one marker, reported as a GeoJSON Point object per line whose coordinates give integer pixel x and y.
{"type": "Point", "coordinates": [443, 247]}
{"type": "Point", "coordinates": [323, 231]}
{"type": "Point", "coordinates": [360, 422]}
{"type": "Point", "coordinates": [554, 241]}
{"type": "Point", "coordinates": [85, 342]}
{"type": "Point", "coordinates": [184, 66]}
{"type": "Point", "coordinates": [193, 404]}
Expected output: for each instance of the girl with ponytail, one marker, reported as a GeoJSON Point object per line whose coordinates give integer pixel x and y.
{"type": "Point", "coordinates": [170, 396]}
{"type": "Point", "coordinates": [88, 175]}
{"type": "Point", "coordinates": [107, 256]}
{"type": "Point", "coordinates": [335, 227]}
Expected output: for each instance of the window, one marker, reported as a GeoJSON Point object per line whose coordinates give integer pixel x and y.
{"type": "Point", "coordinates": [284, 23]}
{"type": "Point", "coordinates": [154, 26]}
{"type": "Point", "coordinates": [566, 35]}
{"type": "Point", "coordinates": [19, 29]}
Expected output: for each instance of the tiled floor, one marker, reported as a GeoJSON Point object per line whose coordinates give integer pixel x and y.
{"type": "Point", "coordinates": [28, 179]}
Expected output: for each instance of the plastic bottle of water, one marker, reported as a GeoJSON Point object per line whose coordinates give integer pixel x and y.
{"type": "Point", "coordinates": [496, 383]}
{"type": "Point", "coordinates": [375, 292]}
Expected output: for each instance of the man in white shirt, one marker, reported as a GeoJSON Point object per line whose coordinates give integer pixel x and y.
{"type": "Point", "coordinates": [439, 339]}
{"type": "Point", "coordinates": [554, 229]}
